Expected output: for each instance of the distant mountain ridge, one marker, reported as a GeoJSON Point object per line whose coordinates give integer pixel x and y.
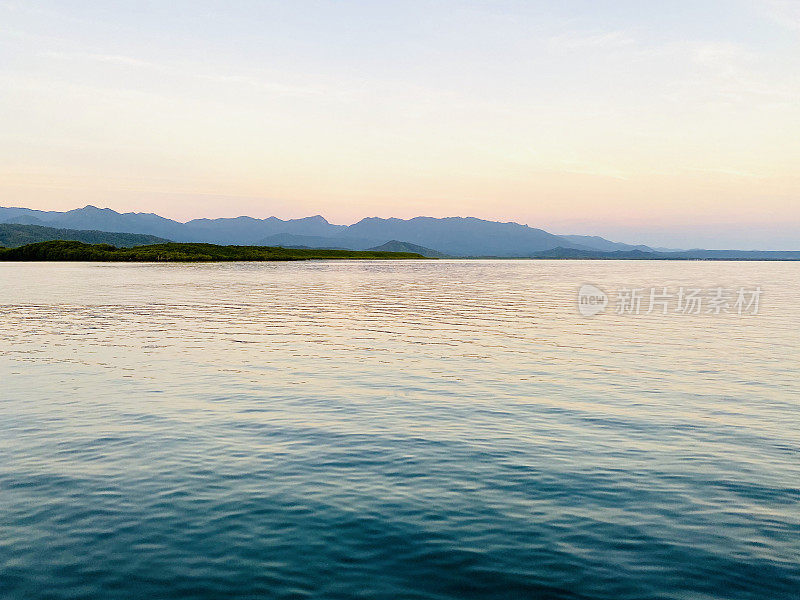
{"type": "Point", "coordinates": [397, 246]}
{"type": "Point", "coordinates": [595, 242]}
{"type": "Point", "coordinates": [454, 236]}
{"type": "Point", "coordinates": [637, 254]}
{"type": "Point", "coordinates": [13, 235]}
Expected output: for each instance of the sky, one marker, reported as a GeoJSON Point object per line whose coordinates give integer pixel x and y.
{"type": "Point", "coordinates": [668, 123]}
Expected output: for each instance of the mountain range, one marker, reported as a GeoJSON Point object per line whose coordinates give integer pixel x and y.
{"type": "Point", "coordinates": [452, 236]}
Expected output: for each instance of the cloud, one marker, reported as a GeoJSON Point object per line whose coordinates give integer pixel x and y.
{"type": "Point", "coordinates": [583, 41]}
{"type": "Point", "coordinates": [785, 12]}
{"type": "Point", "coordinates": [727, 74]}
{"type": "Point", "coordinates": [105, 58]}
{"type": "Point", "coordinates": [280, 89]}
{"type": "Point", "coordinates": [729, 172]}
{"type": "Point", "coordinates": [269, 86]}
{"type": "Point", "coordinates": [720, 56]}
{"type": "Point", "coordinates": [581, 168]}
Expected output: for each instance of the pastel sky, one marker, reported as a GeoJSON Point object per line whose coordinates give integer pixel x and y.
{"type": "Point", "coordinates": [670, 123]}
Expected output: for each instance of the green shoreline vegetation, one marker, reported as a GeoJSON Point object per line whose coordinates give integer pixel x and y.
{"type": "Point", "coordinates": [60, 250]}
{"type": "Point", "coordinates": [63, 250]}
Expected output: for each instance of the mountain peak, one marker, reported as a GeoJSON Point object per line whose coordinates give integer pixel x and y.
{"type": "Point", "coordinates": [93, 208]}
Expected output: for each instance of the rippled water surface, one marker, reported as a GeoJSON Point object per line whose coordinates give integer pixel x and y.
{"type": "Point", "coordinates": [436, 429]}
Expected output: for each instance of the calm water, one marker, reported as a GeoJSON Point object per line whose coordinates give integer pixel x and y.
{"type": "Point", "coordinates": [395, 430]}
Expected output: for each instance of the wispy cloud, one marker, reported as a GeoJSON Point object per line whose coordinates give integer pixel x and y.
{"type": "Point", "coordinates": [784, 12]}
{"type": "Point", "coordinates": [585, 41]}
{"type": "Point", "coordinates": [105, 58]}
{"type": "Point", "coordinates": [28, 8]}
{"type": "Point", "coordinates": [592, 170]}
{"type": "Point", "coordinates": [727, 171]}
{"type": "Point", "coordinates": [730, 74]}
{"type": "Point", "coordinates": [720, 56]}
{"type": "Point", "coordinates": [272, 87]}
{"type": "Point", "coordinates": [265, 84]}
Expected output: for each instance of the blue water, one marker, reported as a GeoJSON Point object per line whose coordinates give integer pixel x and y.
{"type": "Point", "coordinates": [443, 429]}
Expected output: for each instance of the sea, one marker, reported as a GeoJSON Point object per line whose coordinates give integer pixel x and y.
{"type": "Point", "coordinates": [429, 429]}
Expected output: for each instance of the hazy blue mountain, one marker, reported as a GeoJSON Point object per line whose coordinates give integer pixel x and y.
{"type": "Point", "coordinates": [26, 219]}
{"type": "Point", "coordinates": [595, 242]}
{"type": "Point", "coordinates": [293, 240]}
{"type": "Point", "coordinates": [397, 246]}
{"type": "Point", "coordinates": [93, 218]}
{"type": "Point", "coordinates": [575, 253]}
{"type": "Point", "coordinates": [27, 216]}
{"type": "Point", "coordinates": [13, 235]}
{"type": "Point", "coordinates": [734, 254]}
{"type": "Point", "coordinates": [238, 230]}
{"type": "Point", "coordinates": [461, 236]}
{"type": "Point", "coordinates": [455, 236]}
{"type": "Point", "coordinates": [248, 230]}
